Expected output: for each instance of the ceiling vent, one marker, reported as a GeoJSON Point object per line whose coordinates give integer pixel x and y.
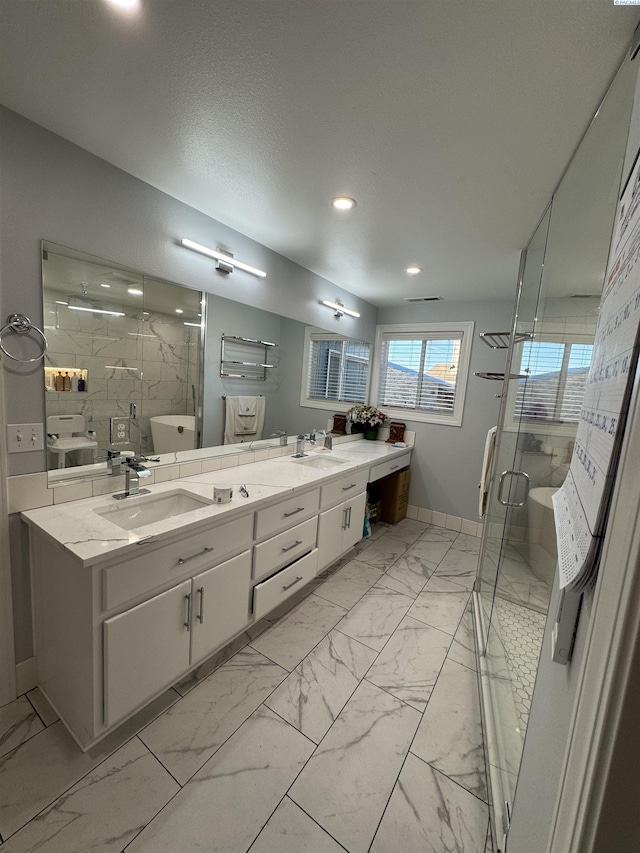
{"type": "Point", "coordinates": [423, 298]}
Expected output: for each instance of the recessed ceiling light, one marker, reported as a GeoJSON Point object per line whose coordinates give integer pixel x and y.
{"type": "Point", "coordinates": [179, 311]}
{"type": "Point", "coordinates": [135, 291]}
{"type": "Point", "coordinates": [124, 4]}
{"type": "Point", "coordinates": [413, 269]}
{"type": "Point", "coordinates": [343, 203]}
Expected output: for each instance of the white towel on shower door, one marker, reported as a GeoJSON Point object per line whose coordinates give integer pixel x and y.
{"type": "Point", "coordinates": [485, 474]}
{"type": "Point", "coordinates": [244, 419]}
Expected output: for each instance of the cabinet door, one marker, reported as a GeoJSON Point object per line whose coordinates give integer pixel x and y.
{"type": "Point", "coordinates": [331, 525]}
{"type": "Point", "coordinates": [354, 521]}
{"type": "Point", "coordinates": [220, 605]}
{"type": "Point", "coordinates": [146, 649]}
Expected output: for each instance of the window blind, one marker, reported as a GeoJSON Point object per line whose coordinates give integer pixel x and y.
{"type": "Point", "coordinates": [553, 389]}
{"type": "Point", "coordinates": [338, 369]}
{"type": "Point", "coordinates": [419, 371]}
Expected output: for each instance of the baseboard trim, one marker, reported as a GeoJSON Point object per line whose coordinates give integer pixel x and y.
{"type": "Point", "coordinates": [26, 675]}
{"type": "Point", "coordinates": [441, 519]}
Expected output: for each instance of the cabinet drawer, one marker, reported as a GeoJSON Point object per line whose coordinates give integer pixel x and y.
{"type": "Point", "coordinates": [283, 515]}
{"type": "Point", "coordinates": [388, 467]}
{"type": "Point", "coordinates": [276, 589]}
{"type": "Point", "coordinates": [148, 571]}
{"type": "Point", "coordinates": [344, 488]}
{"type": "Point", "coordinates": [283, 548]}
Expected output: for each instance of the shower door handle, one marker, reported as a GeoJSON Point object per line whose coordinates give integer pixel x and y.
{"type": "Point", "coordinates": [516, 474]}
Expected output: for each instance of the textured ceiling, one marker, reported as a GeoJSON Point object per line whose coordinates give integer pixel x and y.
{"type": "Point", "coordinates": [449, 122]}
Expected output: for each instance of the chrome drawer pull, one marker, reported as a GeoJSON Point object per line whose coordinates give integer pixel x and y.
{"type": "Point", "coordinates": [200, 616]}
{"type": "Point", "coordinates": [346, 488]}
{"type": "Point", "coordinates": [344, 519]}
{"type": "Point", "coordinates": [187, 624]}
{"type": "Point", "coordinates": [349, 517]}
{"type": "Point", "coordinates": [293, 583]}
{"type": "Point", "coordinates": [295, 545]}
{"type": "Point", "coordinates": [183, 560]}
{"type": "Point", "coordinates": [146, 540]}
{"type": "Point", "coordinates": [300, 509]}
{"type": "Point", "coordinates": [393, 467]}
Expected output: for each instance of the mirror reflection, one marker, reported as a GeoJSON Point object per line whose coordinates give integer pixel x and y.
{"type": "Point", "coordinates": [155, 368]}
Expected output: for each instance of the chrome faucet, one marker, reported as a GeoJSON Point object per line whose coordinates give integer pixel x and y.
{"type": "Point", "coordinates": [282, 435]}
{"type": "Point", "coordinates": [300, 440]}
{"type": "Point", "coordinates": [328, 441]}
{"type": "Point", "coordinates": [133, 471]}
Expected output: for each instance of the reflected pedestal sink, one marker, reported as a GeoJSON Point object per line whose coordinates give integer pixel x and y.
{"type": "Point", "coordinates": [137, 512]}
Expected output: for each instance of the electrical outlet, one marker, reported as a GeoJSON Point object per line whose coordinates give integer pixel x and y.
{"type": "Point", "coordinates": [119, 431]}
{"type": "Point", "coordinates": [22, 438]}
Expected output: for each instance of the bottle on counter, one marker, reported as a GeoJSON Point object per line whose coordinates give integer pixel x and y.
{"type": "Point", "coordinates": [75, 382]}
{"type": "Point", "coordinates": [66, 382]}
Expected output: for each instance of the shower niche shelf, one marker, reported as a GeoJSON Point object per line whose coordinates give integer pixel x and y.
{"type": "Point", "coordinates": [501, 340]}
{"type": "Point", "coordinates": [234, 352]}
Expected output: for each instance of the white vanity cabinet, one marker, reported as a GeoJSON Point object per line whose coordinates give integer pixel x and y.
{"type": "Point", "coordinates": [340, 527]}
{"type": "Point", "coordinates": [148, 647]}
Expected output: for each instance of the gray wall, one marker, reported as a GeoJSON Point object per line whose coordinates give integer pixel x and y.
{"type": "Point", "coordinates": [445, 468]}
{"type": "Point", "coordinates": [51, 189]}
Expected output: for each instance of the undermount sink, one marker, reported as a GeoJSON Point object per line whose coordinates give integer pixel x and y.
{"type": "Point", "coordinates": [323, 462]}
{"type": "Point", "coordinates": [138, 511]}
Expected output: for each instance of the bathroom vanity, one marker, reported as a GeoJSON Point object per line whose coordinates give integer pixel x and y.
{"type": "Point", "coordinates": [123, 611]}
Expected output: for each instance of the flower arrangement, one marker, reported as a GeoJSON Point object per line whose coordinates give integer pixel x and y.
{"type": "Point", "coordinates": [368, 416]}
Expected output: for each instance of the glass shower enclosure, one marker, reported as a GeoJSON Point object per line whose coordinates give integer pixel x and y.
{"type": "Point", "coordinates": [547, 351]}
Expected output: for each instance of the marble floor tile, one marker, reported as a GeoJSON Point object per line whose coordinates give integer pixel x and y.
{"type": "Point", "coordinates": [466, 542]}
{"type": "Point", "coordinates": [313, 695]}
{"type": "Point", "coordinates": [449, 737]}
{"type": "Point", "coordinates": [37, 773]}
{"type": "Point", "coordinates": [375, 617]}
{"type": "Point", "coordinates": [347, 586]}
{"type": "Point", "coordinates": [219, 658]}
{"type": "Point", "coordinates": [408, 530]}
{"type": "Point", "coordinates": [429, 813]}
{"type": "Point", "coordinates": [189, 733]}
{"type": "Point", "coordinates": [226, 804]}
{"type": "Point", "coordinates": [346, 784]}
{"type": "Point", "coordinates": [42, 707]}
{"type": "Point", "coordinates": [440, 604]}
{"type": "Point", "coordinates": [463, 648]}
{"type": "Point", "coordinates": [379, 528]}
{"type": "Point", "coordinates": [460, 567]}
{"type": "Point", "coordinates": [290, 830]}
{"type": "Point", "coordinates": [382, 552]}
{"type": "Point", "coordinates": [292, 638]}
{"type": "Point", "coordinates": [18, 723]}
{"type": "Point", "coordinates": [103, 811]}
{"type": "Point", "coordinates": [409, 664]}
{"type": "Point", "coordinates": [408, 574]}
{"type": "Point", "coordinates": [431, 547]}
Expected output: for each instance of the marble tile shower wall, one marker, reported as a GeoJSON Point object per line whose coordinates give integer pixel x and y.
{"type": "Point", "coordinates": [150, 360]}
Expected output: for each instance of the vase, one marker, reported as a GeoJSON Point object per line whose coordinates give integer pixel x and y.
{"type": "Point", "coordinates": [371, 433]}
{"type": "Point", "coordinates": [357, 428]}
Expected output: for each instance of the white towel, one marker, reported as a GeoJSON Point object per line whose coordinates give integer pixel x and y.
{"type": "Point", "coordinates": [244, 419]}
{"type": "Point", "coordinates": [487, 464]}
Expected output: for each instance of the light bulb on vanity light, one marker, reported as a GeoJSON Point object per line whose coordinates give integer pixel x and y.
{"type": "Point", "coordinates": [339, 308]}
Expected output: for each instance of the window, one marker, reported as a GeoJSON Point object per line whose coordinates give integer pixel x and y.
{"type": "Point", "coordinates": [421, 370]}
{"type": "Point", "coordinates": [555, 372]}
{"type": "Point", "coordinates": [335, 370]}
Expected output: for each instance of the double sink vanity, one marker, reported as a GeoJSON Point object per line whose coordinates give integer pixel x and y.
{"type": "Point", "coordinates": [131, 595]}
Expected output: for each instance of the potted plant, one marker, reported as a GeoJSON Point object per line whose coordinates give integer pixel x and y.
{"type": "Point", "coordinates": [366, 419]}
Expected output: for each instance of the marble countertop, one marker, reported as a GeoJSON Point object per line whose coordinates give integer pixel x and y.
{"type": "Point", "coordinates": [91, 538]}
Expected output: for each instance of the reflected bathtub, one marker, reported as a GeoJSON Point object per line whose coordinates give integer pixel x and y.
{"type": "Point", "coordinates": [171, 433]}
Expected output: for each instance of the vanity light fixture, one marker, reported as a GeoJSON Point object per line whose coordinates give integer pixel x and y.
{"type": "Point", "coordinates": [135, 291]}
{"type": "Point", "coordinates": [343, 202]}
{"type": "Point", "coordinates": [339, 308]}
{"type": "Point", "coordinates": [179, 311]}
{"type": "Point", "coordinates": [226, 261]}
{"type": "Point", "coordinates": [413, 269]}
{"type": "Point", "coordinates": [197, 325]}
{"type": "Point", "coordinates": [105, 285]}
{"type": "Point", "coordinates": [96, 311]}
{"type": "Point", "coordinates": [124, 4]}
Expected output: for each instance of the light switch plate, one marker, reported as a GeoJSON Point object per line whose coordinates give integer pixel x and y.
{"type": "Point", "coordinates": [22, 438]}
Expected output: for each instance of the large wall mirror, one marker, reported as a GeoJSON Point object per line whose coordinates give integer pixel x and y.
{"type": "Point", "coordinates": [136, 363]}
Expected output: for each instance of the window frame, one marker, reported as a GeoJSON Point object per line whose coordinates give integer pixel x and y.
{"type": "Point", "coordinates": [328, 404]}
{"type": "Point", "coordinates": [422, 330]}
{"type": "Point", "coordinates": [542, 426]}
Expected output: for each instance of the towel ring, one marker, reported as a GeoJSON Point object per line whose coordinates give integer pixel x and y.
{"type": "Point", "coordinates": [22, 325]}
